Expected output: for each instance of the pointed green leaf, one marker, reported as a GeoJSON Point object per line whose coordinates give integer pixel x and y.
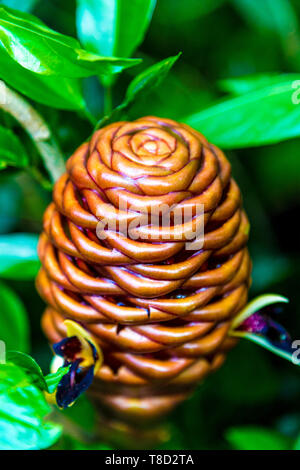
{"type": "Point", "coordinates": [150, 78]}
{"type": "Point", "coordinates": [262, 116]}
{"type": "Point", "coordinates": [42, 50]}
{"type": "Point", "coordinates": [34, 372]}
{"type": "Point", "coordinates": [29, 366]}
{"type": "Point", "coordinates": [52, 380]}
{"type": "Point", "coordinates": [140, 86]}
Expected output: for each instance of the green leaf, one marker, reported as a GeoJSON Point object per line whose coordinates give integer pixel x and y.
{"type": "Point", "coordinates": [18, 256]}
{"type": "Point", "coordinates": [23, 409]}
{"type": "Point", "coordinates": [262, 116]}
{"type": "Point", "coordinates": [29, 366]}
{"type": "Point", "coordinates": [113, 27]}
{"type": "Point", "coordinates": [52, 380]}
{"type": "Point", "coordinates": [257, 438]}
{"type": "Point", "coordinates": [278, 17]}
{"type": "Point", "coordinates": [103, 66]}
{"type": "Point", "coordinates": [62, 92]}
{"type": "Point", "coordinates": [180, 94]}
{"type": "Point", "coordinates": [12, 152]}
{"type": "Point", "coordinates": [255, 305]}
{"type": "Point", "coordinates": [247, 83]}
{"type": "Point", "coordinates": [44, 51]}
{"type": "Point", "coordinates": [140, 86]}
{"type": "Point", "coordinates": [14, 322]}
{"type": "Point", "coordinates": [150, 78]}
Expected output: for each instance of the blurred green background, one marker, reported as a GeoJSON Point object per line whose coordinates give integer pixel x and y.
{"type": "Point", "coordinates": [253, 401]}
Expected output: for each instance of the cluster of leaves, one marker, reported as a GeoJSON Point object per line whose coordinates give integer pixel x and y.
{"type": "Point", "coordinates": [49, 67]}
{"type": "Point", "coordinates": [23, 403]}
{"type": "Point", "coordinates": [55, 89]}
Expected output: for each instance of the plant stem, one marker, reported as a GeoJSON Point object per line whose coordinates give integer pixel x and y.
{"type": "Point", "coordinates": [37, 128]}
{"type": "Point", "coordinates": [107, 100]}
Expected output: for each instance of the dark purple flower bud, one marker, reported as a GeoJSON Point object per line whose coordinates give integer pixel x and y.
{"type": "Point", "coordinates": [256, 323]}
{"type": "Point", "coordinates": [73, 384]}
{"type": "Point", "coordinates": [81, 352]}
{"type": "Point", "coordinates": [68, 348]}
{"type": "Point", "coordinates": [262, 325]}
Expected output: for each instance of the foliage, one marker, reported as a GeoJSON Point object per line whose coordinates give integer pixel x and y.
{"type": "Point", "coordinates": [113, 28]}
{"type": "Point", "coordinates": [48, 382]}
{"type": "Point", "coordinates": [22, 412]}
{"type": "Point", "coordinates": [140, 86]}
{"type": "Point", "coordinates": [237, 81]}
{"type": "Point", "coordinates": [248, 120]}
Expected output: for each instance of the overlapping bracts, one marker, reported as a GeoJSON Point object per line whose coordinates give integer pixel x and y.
{"type": "Point", "coordinates": [160, 313]}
